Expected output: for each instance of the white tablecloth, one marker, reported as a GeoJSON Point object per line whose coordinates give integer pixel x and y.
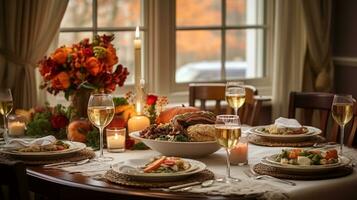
{"type": "Point", "coordinates": [339, 188]}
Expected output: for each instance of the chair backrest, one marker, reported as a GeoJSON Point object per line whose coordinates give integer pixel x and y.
{"type": "Point", "coordinates": [249, 112]}
{"type": "Point", "coordinates": [13, 175]}
{"type": "Point", "coordinates": [310, 102]}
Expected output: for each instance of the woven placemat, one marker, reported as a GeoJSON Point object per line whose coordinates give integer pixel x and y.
{"type": "Point", "coordinates": [122, 179]}
{"type": "Point", "coordinates": [272, 171]}
{"type": "Point", "coordinates": [254, 139]}
{"type": "Point", "coordinates": [77, 156]}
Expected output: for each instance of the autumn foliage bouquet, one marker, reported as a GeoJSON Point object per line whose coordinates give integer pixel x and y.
{"type": "Point", "coordinates": [83, 65]}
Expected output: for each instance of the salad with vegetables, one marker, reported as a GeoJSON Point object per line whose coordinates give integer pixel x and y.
{"type": "Point", "coordinates": [307, 157]}
{"type": "Point", "coordinates": [165, 164]}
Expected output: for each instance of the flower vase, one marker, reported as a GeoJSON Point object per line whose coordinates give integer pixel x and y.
{"type": "Point", "coordinates": [79, 102]}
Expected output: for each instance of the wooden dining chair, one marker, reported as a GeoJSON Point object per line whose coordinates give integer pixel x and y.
{"type": "Point", "coordinates": [13, 177]}
{"type": "Point", "coordinates": [249, 112]}
{"type": "Point", "coordinates": [309, 102]}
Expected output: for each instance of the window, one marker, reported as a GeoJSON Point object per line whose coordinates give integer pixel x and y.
{"type": "Point", "coordinates": [219, 40]}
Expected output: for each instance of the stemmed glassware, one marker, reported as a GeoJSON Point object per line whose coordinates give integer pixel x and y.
{"type": "Point", "coordinates": [101, 113]}
{"type": "Point", "coordinates": [6, 105]}
{"type": "Point", "coordinates": [235, 95]}
{"type": "Point", "coordinates": [342, 112]}
{"type": "Point", "coordinates": [228, 132]}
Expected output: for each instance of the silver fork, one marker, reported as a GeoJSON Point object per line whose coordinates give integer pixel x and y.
{"type": "Point", "coordinates": [255, 176]}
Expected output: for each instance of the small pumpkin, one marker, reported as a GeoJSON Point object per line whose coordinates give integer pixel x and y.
{"type": "Point", "coordinates": [78, 129]}
{"type": "Point", "coordinates": [166, 115]}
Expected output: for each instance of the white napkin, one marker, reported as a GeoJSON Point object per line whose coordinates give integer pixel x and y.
{"type": "Point", "coordinates": [282, 122]}
{"type": "Point", "coordinates": [21, 143]}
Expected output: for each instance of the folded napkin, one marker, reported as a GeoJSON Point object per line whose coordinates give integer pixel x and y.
{"type": "Point", "coordinates": [245, 188]}
{"type": "Point", "coordinates": [21, 143]}
{"type": "Point", "coordinates": [282, 122]}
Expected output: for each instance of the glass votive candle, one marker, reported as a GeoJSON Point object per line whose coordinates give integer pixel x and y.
{"type": "Point", "coordinates": [239, 154]}
{"type": "Point", "coordinates": [16, 126]}
{"type": "Point", "coordinates": [116, 139]}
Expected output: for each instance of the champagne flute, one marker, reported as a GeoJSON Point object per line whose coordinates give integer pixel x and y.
{"type": "Point", "coordinates": [228, 132]}
{"type": "Point", "coordinates": [6, 105]}
{"type": "Point", "coordinates": [101, 113]}
{"type": "Point", "coordinates": [342, 112]}
{"type": "Point", "coordinates": [235, 95]}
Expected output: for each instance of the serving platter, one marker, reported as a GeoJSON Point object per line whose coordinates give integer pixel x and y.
{"type": "Point", "coordinates": [73, 148]}
{"type": "Point", "coordinates": [271, 161]}
{"type": "Point", "coordinates": [312, 131]}
{"type": "Point", "coordinates": [130, 168]}
{"type": "Point", "coordinates": [180, 149]}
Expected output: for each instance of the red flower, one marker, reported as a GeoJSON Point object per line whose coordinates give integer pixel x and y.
{"type": "Point", "coordinates": [59, 121]}
{"type": "Point", "coordinates": [151, 99]}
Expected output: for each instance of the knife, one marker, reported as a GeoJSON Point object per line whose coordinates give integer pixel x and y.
{"type": "Point", "coordinates": [184, 185]}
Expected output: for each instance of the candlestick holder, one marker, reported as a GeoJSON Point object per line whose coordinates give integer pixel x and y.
{"type": "Point", "coordinates": [116, 139]}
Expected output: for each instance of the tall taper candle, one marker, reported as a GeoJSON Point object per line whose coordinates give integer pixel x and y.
{"type": "Point", "coordinates": [137, 50]}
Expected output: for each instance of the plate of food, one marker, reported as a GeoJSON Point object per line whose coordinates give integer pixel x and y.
{"type": "Point", "coordinates": [306, 160]}
{"type": "Point", "coordinates": [187, 135]}
{"type": "Point", "coordinates": [50, 149]}
{"type": "Point", "coordinates": [160, 168]}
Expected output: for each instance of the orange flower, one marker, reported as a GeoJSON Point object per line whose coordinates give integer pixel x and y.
{"type": "Point", "coordinates": [61, 81]}
{"type": "Point", "coordinates": [60, 55]}
{"type": "Point", "coordinates": [93, 66]}
{"type": "Point", "coordinates": [111, 58]}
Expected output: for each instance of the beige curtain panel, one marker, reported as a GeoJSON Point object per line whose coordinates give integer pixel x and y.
{"type": "Point", "coordinates": [319, 65]}
{"type": "Point", "coordinates": [289, 54]}
{"type": "Point", "coordinates": [28, 27]}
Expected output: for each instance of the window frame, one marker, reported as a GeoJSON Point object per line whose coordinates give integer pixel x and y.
{"type": "Point", "coordinates": [166, 63]}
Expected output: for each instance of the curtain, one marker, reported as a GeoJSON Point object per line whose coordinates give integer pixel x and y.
{"type": "Point", "coordinates": [289, 51]}
{"type": "Point", "coordinates": [28, 27]}
{"type": "Point", "coordinates": [319, 65]}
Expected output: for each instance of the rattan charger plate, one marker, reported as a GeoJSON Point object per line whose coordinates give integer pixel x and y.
{"type": "Point", "coordinates": [257, 140]}
{"type": "Point", "coordinates": [272, 171]}
{"type": "Point", "coordinates": [77, 156]}
{"type": "Point", "coordinates": [122, 179]}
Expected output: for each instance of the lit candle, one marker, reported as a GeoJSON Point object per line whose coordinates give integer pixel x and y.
{"type": "Point", "coordinates": [116, 139]}
{"type": "Point", "coordinates": [239, 154]}
{"type": "Point", "coordinates": [16, 128]}
{"type": "Point", "coordinates": [137, 51]}
{"type": "Point", "coordinates": [138, 123]}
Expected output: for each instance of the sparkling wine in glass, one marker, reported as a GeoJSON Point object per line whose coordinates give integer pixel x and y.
{"type": "Point", "coordinates": [235, 95]}
{"type": "Point", "coordinates": [342, 113]}
{"type": "Point", "coordinates": [228, 132]}
{"type": "Point", "coordinates": [6, 105]}
{"type": "Point", "coordinates": [101, 113]}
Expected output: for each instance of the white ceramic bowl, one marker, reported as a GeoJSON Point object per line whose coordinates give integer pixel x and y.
{"type": "Point", "coordinates": [179, 149]}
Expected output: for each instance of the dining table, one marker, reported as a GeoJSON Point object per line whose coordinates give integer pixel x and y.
{"type": "Point", "coordinates": [62, 184]}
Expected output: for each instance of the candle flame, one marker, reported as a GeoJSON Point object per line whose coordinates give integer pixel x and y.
{"type": "Point", "coordinates": [138, 107]}
{"type": "Point", "coordinates": [116, 136]}
{"type": "Point", "coordinates": [137, 32]}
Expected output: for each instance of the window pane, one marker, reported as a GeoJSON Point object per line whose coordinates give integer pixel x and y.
{"type": "Point", "coordinates": [68, 38]}
{"type": "Point", "coordinates": [124, 44]}
{"type": "Point", "coordinates": [198, 55]}
{"type": "Point", "coordinates": [78, 14]}
{"type": "Point", "coordinates": [244, 53]}
{"type": "Point", "coordinates": [244, 12]}
{"type": "Point", "coordinates": [119, 13]}
{"type": "Point", "coordinates": [198, 12]}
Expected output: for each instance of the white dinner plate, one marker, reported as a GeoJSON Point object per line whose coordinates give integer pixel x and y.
{"type": "Point", "coordinates": [312, 131]}
{"type": "Point", "coordinates": [137, 174]}
{"type": "Point", "coordinates": [73, 148]}
{"type": "Point", "coordinates": [271, 161]}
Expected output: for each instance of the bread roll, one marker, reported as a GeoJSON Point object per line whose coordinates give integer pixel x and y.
{"type": "Point", "coordinates": [201, 132]}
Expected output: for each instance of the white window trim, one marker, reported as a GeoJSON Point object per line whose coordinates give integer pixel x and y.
{"type": "Point", "coordinates": [161, 56]}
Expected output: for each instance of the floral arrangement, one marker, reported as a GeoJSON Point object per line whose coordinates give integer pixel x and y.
{"type": "Point", "coordinates": [83, 65]}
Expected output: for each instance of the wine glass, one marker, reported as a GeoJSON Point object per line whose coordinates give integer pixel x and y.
{"type": "Point", "coordinates": [6, 105]}
{"type": "Point", "coordinates": [342, 112]}
{"type": "Point", "coordinates": [228, 132]}
{"type": "Point", "coordinates": [101, 113]}
{"type": "Point", "coordinates": [235, 95]}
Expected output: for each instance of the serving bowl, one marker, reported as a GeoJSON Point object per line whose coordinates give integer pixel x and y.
{"type": "Point", "coordinates": [179, 149]}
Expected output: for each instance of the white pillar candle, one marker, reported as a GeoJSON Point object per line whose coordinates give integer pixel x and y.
{"type": "Point", "coordinates": [239, 154]}
{"type": "Point", "coordinates": [138, 123]}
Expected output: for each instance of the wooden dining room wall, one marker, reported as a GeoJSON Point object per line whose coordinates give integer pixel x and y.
{"type": "Point", "coordinates": [344, 40]}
